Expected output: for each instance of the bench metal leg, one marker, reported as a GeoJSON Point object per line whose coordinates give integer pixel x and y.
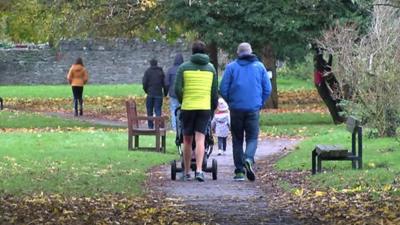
{"type": "Point", "coordinates": [319, 164]}
{"type": "Point", "coordinates": [1, 103]}
{"type": "Point", "coordinates": [130, 140]}
{"type": "Point", "coordinates": [158, 149]}
{"type": "Point", "coordinates": [164, 144]}
{"type": "Point", "coordinates": [360, 163]}
{"type": "Point", "coordinates": [353, 164]}
{"type": "Point", "coordinates": [137, 141]}
{"type": "Point", "coordinates": [313, 158]}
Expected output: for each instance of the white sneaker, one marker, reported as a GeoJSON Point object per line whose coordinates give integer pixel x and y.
{"type": "Point", "coordinates": [219, 152]}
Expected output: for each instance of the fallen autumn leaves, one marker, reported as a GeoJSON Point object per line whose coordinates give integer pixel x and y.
{"type": "Point", "coordinates": [106, 209]}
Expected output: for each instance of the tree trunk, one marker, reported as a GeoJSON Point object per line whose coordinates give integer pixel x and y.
{"type": "Point", "coordinates": [212, 50]}
{"type": "Point", "coordinates": [269, 59]}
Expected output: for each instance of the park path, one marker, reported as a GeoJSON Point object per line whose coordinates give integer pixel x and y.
{"type": "Point", "coordinates": [227, 201]}
{"type": "Point", "coordinates": [89, 119]}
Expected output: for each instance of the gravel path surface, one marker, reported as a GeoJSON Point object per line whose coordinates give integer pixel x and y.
{"type": "Point", "coordinates": [228, 202]}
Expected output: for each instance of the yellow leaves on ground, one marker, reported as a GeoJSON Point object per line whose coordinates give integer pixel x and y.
{"type": "Point", "coordinates": [105, 209]}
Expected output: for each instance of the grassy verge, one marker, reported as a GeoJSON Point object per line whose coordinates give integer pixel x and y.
{"type": "Point", "coordinates": [115, 90]}
{"type": "Point", "coordinates": [287, 83]}
{"type": "Point", "coordinates": [75, 163]}
{"type": "Point", "coordinates": [296, 124]}
{"type": "Point", "coordinates": [17, 119]}
{"type": "Point", "coordinates": [381, 156]}
{"type": "Point", "coordinates": [64, 91]}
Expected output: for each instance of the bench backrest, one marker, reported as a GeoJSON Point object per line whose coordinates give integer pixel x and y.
{"type": "Point", "coordinates": [352, 124]}
{"type": "Point", "coordinates": [131, 111]}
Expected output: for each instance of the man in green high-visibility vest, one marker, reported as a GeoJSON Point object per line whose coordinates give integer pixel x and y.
{"type": "Point", "coordinates": [196, 87]}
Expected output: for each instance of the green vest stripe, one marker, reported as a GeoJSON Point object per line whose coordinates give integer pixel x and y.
{"type": "Point", "coordinates": [197, 90]}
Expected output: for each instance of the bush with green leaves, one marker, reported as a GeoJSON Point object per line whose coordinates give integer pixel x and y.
{"type": "Point", "coordinates": [368, 68]}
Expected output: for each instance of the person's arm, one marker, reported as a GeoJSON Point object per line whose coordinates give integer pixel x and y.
{"type": "Point", "coordinates": [214, 90]}
{"type": "Point", "coordinates": [179, 84]}
{"type": "Point", "coordinates": [164, 87]}
{"type": "Point", "coordinates": [145, 82]}
{"type": "Point", "coordinates": [167, 82]}
{"type": "Point", "coordinates": [69, 76]}
{"type": "Point", "coordinates": [85, 76]}
{"type": "Point", "coordinates": [225, 83]}
{"type": "Point", "coordinates": [266, 85]}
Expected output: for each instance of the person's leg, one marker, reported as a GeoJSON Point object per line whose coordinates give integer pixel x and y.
{"type": "Point", "coordinates": [199, 137]}
{"type": "Point", "coordinates": [220, 145]}
{"type": "Point", "coordinates": [80, 99]}
{"type": "Point", "coordinates": [251, 127]}
{"type": "Point", "coordinates": [173, 105]}
{"type": "Point", "coordinates": [158, 101]}
{"type": "Point", "coordinates": [149, 108]}
{"type": "Point", "coordinates": [187, 153]}
{"type": "Point", "coordinates": [237, 131]}
{"type": "Point", "coordinates": [252, 130]}
{"type": "Point", "coordinates": [188, 130]}
{"type": "Point", "coordinates": [75, 94]}
{"type": "Point", "coordinates": [224, 143]}
{"type": "Point", "coordinates": [202, 119]}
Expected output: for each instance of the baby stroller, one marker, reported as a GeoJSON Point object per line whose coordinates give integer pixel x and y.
{"type": "Point", "coordinates": [208, 148]}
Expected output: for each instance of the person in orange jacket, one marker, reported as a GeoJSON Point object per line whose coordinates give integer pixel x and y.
{"type": "Point", "coordinates": [77, 78]}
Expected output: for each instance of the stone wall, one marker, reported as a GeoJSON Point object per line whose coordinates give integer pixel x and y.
{"type": "Point", "coordinates": [108, 61]}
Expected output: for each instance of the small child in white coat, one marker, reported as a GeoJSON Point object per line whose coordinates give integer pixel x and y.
{"type": "Point", "coordinates": [221, 124]}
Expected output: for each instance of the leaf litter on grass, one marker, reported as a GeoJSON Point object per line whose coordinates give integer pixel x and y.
{"type": "Point", "coordinates": [105, 209]}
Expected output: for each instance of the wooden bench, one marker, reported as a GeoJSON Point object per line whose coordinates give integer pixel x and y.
{"type": "Point", "coordinates": [135, 130]}
{"type": "Point", "coordinates": [337, 152]}
{"type": "Point", "coordinates": [1, 103]}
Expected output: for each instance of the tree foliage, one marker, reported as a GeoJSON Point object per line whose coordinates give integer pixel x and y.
{"type": "Point", "coordinates": [368, 66]}
{"type": "Point", "coordinates": [52, 20]}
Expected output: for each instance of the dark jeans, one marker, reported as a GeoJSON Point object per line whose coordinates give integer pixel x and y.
{"type": "Point", "coordinates": [77, 92]}
{"type": "Point", "coordinates": [330, 103]}
{"type": "Point", "coordinates": [222, 143]}
{"type": "Point", "coordinates": [244, 124]}
{"type": "Point", "coordinates": [153, 106]}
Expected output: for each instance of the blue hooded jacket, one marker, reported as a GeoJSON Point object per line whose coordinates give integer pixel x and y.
{"type": "Point", "coordinates": [245, 85]}
{"type": "Point", "coordinates": [171, 75]}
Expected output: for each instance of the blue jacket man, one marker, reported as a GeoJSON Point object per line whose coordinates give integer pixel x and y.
{"type": "Point", "coordinates": [245, 86]}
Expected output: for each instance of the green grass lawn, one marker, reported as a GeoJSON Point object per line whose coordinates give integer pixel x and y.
{"type": "Point", "coordinates": [286, 83]}
{"type": "Point", "coordinates": [296, 124]}
{"type": "Point", "coordinates": [64, 91]}
{"type": "Point", "coordinates": [17, 119]}
{"type": "Point", "coordinates": [381, 156]}
{"type": "Point", "coordinates": [75, 163]}
{"type": "Point", "coordinates": [115, 90]}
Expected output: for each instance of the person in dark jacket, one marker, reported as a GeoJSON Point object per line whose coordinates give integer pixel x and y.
{"type": "Point", "coordinates": [245, 86]}
{"type": "Point", "coordinates": [170, 83]}
{"type": "Point", "coordinates": [153, 86]}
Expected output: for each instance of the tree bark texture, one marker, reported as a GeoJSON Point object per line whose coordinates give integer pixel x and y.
{"type": "Point", "coordinates": [269, 60]}
{"type": "Point", "coordinates": [212, 50]}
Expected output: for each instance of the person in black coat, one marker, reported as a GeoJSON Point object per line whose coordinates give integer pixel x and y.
{"type": "Point", "coordinates": [155, 88]}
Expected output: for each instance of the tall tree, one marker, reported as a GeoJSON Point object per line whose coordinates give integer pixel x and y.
{"type": "Point", "coordinates": [277, 29]}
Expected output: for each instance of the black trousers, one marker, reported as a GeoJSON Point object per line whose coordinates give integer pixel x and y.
{"type": "Point", "coordinates": [77, 91]}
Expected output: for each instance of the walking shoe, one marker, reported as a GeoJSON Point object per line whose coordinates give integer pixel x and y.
{"type": "Point", "coordinates": [248, 165]}
{"type": "Point", "coordinates": [219, 152]}
{"type": "Point", "coordinates": [238, 177]}
{"type": "Point", "coordinates": [186, 177]}
{"type": "Point", "coordinates": [199, 176]}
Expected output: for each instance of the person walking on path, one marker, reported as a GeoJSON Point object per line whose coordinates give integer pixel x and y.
{"type": "Point", "coordinates": [196, 87]}
{"type": "Point", "coordinates": [77, 77]}
{"type": "Point", "coordinates": [155, 88]}
{"type": "Point", "coordinates": [170, 83]}
{"type": "Point", "coordinates": [221, 124]}
{"type": "Point", "coordinates": [245, 86]}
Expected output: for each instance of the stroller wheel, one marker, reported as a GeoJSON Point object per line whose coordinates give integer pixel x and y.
{"type": "Point", "coordinates": [173, 170]}
{"type": "Point", "coordinates": [214, 169]}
